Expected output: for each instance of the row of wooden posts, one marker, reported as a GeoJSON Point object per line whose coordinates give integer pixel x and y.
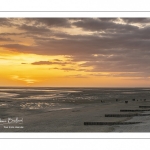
{"type": "Point", "coordinates": [102, 101]}
{"type": "Point", "coordinates": [122, 115]}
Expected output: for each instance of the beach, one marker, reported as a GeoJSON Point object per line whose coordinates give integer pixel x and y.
{"type": "Point", "coordinates": [49, 116]}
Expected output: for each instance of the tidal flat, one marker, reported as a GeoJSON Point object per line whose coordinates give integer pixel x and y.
{"type": "Point", "coordinates": [66, 109]}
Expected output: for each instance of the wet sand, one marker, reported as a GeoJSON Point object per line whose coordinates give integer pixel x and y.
{"type": "Point", "coordinates": [70, 120]}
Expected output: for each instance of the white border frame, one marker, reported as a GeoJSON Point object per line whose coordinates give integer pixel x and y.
{"type": "Point", "coordinates": [73, 14]}
{"type": "Point", "coordinates": [17, 8]}
{"type": "Point", "coordinates": [75, 135]}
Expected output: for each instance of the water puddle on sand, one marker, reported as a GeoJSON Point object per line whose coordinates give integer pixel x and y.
{"type": "Point", "coordinates": [65, 108]}
{"type": "Point", "coordinates": [47, 106]}
{"type": "Point", "coordinates": [38, 105]}
{"type": "Point", "coordinates": [129, 92]}
{"type": "Point", "coordinates": [7, 95]}
{"type": "Point", "coordinates": [3, 104]}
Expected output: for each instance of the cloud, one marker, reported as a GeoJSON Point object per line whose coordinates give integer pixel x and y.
{"type": "Point", "coordinates": [76, 76]}
{"type": "Point", "coordinates": [65, 69]}
{"type": "Point", "coordinates": [9, 34]}
{"type": "Point", "coordinates": [5, 39]}
{"type": "Point", "coordinates": [33, 29]}
{"type": "Point", "coordinates": [68, 69]}
{"type": "Point", "coordinates": [136, 20]}
{"type": "Point", "coordinates": [19, 47]}
{"type": "Point", "coordinates": [5, 22]}
{"type": "Point", "coordinates": [50, 63]}
{"type": "Point", "coordinates": [103, 24]}
{"type": "Point", "coordinates": [50, 22]}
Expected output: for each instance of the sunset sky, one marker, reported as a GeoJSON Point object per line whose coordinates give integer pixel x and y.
{"type": "Point", "coordinates": [89, 52]}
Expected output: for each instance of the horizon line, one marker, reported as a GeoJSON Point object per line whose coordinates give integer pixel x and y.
{"type": "Point", "coordinates": [72, 87]}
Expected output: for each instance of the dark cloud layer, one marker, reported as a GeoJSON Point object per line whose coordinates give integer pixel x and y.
{"type": "Point", "coordinates": [105, 44]}
{"type": "Point", "coordinates": [136, 20]}
{"type": "Point", "coordinates": [49, 22]}
{"type": "Point", "coordinates": [100, 25]}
